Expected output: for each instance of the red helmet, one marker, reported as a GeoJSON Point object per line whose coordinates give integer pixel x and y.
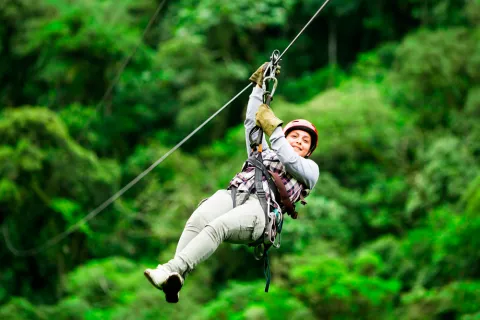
{"type": "Point", "coordinates": [304, 125]}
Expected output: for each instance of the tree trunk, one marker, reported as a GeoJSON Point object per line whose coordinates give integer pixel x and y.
{"type": "Point", "coordinates": [332, 48]}
{"type": "Point", "coordinates": [332, 42]}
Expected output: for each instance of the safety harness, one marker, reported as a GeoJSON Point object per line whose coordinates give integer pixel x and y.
{"type": "Point", "coordinates": [273, 218]}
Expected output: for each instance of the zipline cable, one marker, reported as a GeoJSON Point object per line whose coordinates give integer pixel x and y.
{"type": "Point", "coordinates": [53, 241]}
{"type": "Point", "coordinates": [125, 63]}
{"type": "Point", "coordinates": [303, 29]}
{"type": "Point", "coordinates": [92, 214]}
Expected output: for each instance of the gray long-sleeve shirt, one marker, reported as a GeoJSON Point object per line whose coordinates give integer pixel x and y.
{"type": "Point", "coordinates": [304, 170]}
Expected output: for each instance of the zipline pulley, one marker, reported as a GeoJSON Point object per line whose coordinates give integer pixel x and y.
{"type": "Point", "coordinates": [269, 75]}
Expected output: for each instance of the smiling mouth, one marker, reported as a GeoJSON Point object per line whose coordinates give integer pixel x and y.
{"type": "Point", "coordinates": [297, 148]}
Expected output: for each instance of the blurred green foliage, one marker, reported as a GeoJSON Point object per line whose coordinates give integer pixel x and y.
{"type": "Point", "coordinates": [389, 232]}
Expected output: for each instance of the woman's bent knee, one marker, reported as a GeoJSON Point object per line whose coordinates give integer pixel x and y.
{"type": "Point", "coordinates": [215, 206]}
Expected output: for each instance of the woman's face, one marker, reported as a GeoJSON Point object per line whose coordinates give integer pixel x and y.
{"type": "Point", "coordinates": [300, 142]}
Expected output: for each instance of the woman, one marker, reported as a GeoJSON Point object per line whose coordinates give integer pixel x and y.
{"type": "Point", "coordinates": [217, 219]}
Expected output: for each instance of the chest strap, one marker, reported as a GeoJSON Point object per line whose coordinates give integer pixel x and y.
{"type": "Point", "coordinates": [276, 185]}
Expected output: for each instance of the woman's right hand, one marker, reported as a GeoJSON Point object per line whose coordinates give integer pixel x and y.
{"type": "Point", "coordinates": [257, 76]}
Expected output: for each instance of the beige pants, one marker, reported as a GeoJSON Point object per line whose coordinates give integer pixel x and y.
{"type": "Point", "coordinates": [215, 221]}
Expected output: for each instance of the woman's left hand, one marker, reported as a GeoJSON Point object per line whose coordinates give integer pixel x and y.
{"type": "Point", "coordinates": [266, 119]}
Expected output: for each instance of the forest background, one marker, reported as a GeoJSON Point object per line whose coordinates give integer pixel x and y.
{"type": "Point", "coordinates": [391, 230]}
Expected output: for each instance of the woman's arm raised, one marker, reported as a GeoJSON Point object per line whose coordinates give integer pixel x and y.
{"type": "Point", "coordinates": [256, 99]}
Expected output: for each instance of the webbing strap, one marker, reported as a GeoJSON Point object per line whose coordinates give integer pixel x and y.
{"type": "Point", "coordinates": [276, 185]}
{"type": "Point", "coordinates": [234, 196]}
{"type": "Point", "coordinates": [260, 166]}
{"type": "Point", "coordinates": [266, 270]}
{"type": "Point", "coordinates": [262, 198]}
{"type": "Point", "coordinates": [260, 170]}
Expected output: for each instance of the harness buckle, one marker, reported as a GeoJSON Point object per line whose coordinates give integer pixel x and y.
{"type": "Point", "coordinates": [257, 141]}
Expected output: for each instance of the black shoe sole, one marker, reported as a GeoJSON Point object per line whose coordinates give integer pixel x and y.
{"type": "Point", "coordinates": [171, 288]}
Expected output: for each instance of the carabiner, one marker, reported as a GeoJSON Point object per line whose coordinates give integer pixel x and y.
{"type": "Point", "coordinates": [275, 83]}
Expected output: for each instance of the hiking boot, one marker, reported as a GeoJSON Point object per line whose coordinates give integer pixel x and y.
{"type": "Point", "coordinates": [158, 276]}
{"type": "Point", "coordinates": [169, 282]}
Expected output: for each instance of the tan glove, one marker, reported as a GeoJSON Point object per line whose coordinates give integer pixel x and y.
{"type": "Point", "coordinates": [266, 119]}
{"type": "Point", "coordinates": [257, 76]}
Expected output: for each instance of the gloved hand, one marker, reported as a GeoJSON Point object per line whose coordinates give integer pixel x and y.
{"type": "Point", "coordinates": [257, 76]}
{"type": "Point", "coordinates": [266, 119]}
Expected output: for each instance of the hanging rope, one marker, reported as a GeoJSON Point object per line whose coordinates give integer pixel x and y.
{"type": "Point", "coordinates": [53, 241]}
